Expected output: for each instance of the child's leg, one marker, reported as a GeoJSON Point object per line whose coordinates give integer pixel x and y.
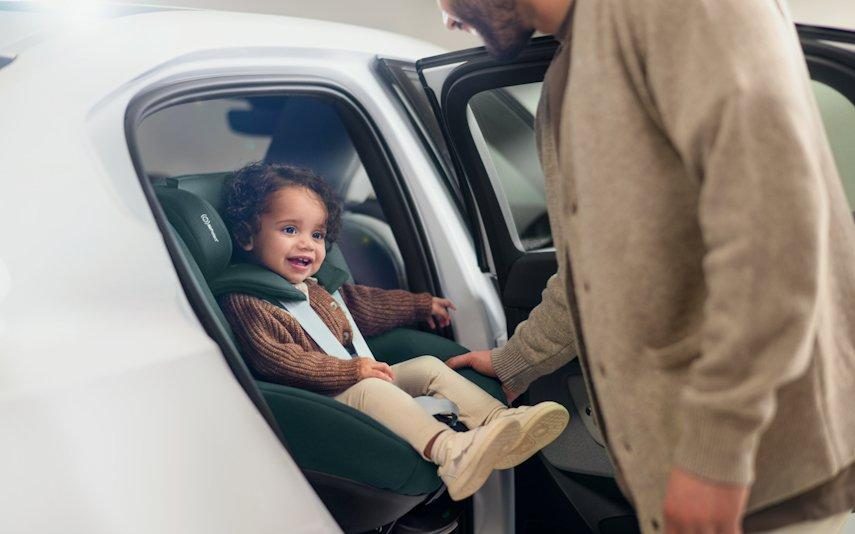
{"type": "Point", "coordinates": [539, 424]}
{"type": "Point", "coordinates": [465, 459]}
{"type": "Point", "coordinates": [427, 375]}
{"type": "Point", "coordinates": [395, 409]}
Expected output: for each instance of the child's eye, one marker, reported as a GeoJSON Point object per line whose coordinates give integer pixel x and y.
{"type": "Point", "coordinates": [318, 236]}
{"type": "Point", "coordinates": [290, 230]}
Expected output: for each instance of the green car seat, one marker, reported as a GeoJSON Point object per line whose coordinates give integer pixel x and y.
{"type": "Point", "coordinates": [366, 475]}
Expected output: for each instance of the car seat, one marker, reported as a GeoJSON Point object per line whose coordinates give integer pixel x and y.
{"type": "Point", "coordinates": [366, 475]}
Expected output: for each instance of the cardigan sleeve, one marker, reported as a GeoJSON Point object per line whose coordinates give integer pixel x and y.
{"type": "Point", "coordinates": [377, 310]}
{"type": "Point", "coordinates": [273, 354]}
{"type": "Point", "coordinates": [731, 93]}
{"type": "Point", "coordinates": [541, 344]}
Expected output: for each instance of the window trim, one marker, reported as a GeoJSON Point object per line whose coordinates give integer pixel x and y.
{"type": "Point", "coordinates": [423, 119]}
{"type": "Point", "coordinates": [455, 100]}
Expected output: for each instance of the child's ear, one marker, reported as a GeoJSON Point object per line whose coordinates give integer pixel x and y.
{"type": "Point", "coordinates": [244, 239]}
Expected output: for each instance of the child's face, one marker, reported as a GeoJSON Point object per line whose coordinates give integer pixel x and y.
{"type": "Point", "coordinates": [291, 237]}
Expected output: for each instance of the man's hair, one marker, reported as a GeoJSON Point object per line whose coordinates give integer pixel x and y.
{"type": "Point", "coordinates": [246, 196]}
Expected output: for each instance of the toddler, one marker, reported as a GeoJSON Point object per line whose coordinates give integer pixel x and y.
{"type": "Point", "coordinates": [283, 217]}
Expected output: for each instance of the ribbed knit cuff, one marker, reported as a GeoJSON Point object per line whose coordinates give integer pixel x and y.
{"type": "Point", "coordinates": [423, 304]}
{"type": "Point", "coordinates": [351, 369]}
{"type": "Point", "coordinates": [717, 446]}
{"type": "Point", "coordinates": [513, 370]}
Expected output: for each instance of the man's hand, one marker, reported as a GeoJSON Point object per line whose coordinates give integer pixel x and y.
{"type": "Point", "coordinates": [482, 362]}
{"type": "Point", "coordinates": [440, 315]}
{"type": "Point", "coordinates": [370, 368]}
{"type": "Point", "coordinates": [695, 505]}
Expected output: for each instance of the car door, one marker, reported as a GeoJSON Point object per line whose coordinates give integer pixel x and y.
{"type": "Point", "coordinates": [485, 110]}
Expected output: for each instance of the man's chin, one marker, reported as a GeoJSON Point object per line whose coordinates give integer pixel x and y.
{"type": "Point", "coordinates": [508, 51]}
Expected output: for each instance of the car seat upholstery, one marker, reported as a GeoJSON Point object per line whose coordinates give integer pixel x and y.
{"type": "Point", "coordinates": [377, 477]}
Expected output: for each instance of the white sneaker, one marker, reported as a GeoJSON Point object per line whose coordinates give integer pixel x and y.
{"type": "Point", "coordinates": [540, 425]}
{"type": "Point", "coordinates": [466, 459]}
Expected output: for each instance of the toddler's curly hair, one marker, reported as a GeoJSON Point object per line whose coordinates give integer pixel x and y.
{"type": "Point", "coordinates": [246, 194]}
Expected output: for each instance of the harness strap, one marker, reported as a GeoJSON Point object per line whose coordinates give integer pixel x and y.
{"type": "Point", "coordinates": [317, 330]}
{"type": "Point", "coordinates": [358, 341]}
{"type": "Point", "coordinates": [321, 334]}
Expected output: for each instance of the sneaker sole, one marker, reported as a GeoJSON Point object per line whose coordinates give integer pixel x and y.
{"type": "Point", "coordinates": [542, 428]}
{"type": "Point", "coordinates": [496, 446]}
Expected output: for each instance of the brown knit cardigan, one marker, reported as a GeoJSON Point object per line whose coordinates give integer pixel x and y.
{"type": "Point", "coordinates": [277, 348]}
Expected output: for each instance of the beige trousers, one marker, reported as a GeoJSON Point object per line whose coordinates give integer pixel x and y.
{"type": "Point", "coordinates": [392, 404]}
{"type": "Point", "coordinates": [829, 525]}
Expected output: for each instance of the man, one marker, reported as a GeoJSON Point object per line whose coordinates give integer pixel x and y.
{"type": "Point", "coordinates": [706, 257]}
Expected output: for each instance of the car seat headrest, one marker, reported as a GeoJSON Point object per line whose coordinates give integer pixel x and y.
{"type": "Point", "coordinates": [201, 228]}
{"type": "Point", "coordinates": [208, 186]}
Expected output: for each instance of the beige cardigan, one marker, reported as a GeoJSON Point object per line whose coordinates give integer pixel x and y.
{"type": "Point", "coordinates": [691, 187]}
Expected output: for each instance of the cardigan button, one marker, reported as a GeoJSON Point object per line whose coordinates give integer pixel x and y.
{"type": "Point", "coordinates": [334, 305]}
{"type": "Point", "coordinates": [574, 208]}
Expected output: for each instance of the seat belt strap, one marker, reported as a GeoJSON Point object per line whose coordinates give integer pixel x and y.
{"type": "Point", "coordinates": [358, 341]}
{"type": "Point", "coordinates": [316, 329]}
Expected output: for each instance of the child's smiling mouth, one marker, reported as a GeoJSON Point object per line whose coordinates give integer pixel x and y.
{"type": "Point", "coordinates": [300, 262]}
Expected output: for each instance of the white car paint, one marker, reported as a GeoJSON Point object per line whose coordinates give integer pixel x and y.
{"type": "Point", "coordinates": [118, 412]}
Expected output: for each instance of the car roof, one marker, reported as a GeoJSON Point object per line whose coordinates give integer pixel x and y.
{"type": "Point", "coordinates": [131, 29]}
{"type": "Point", "coordinates": [24, 23]}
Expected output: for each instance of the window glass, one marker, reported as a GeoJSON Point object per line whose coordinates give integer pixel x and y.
{"type": "Point", "coordinates": [502, 122]}
{"type": "Point", "coordinates": [221, 135]}
{"type": "Point", "coordinates": [198, 138]}
{"type": "Point", "coordinates": [838, 114]}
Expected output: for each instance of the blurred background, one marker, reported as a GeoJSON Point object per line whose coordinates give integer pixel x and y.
{"type": "Point", "coordinates": [420, 18]}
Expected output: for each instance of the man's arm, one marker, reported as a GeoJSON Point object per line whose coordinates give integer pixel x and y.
{"type": "Point", "coordinates": [541, 344]}
{"type": "Point", "coordinates": [729, 86]}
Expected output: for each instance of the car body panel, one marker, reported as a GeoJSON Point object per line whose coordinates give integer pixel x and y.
{"type": "Point", "coordinates": [120, 413]}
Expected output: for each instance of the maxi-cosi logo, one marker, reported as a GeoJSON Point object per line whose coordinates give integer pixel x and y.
{"type": "Point", "coordinates": [207, 221]}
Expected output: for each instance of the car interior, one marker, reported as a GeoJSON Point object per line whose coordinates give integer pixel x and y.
{"type": "Point", "coordinates": [368, 477]}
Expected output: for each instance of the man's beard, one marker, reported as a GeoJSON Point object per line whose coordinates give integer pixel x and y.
{"type": "Point", "coordinates": [498, 24]}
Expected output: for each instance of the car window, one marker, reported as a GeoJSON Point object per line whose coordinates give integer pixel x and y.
{"type": "Point", "coordinates": [197, 138]}
{"type": "Point", "coordinates": [224, 134]}
{"type": "Point", "coordinates": [502, 123]}
{"type": "Point", "coordinates": [838, 115]}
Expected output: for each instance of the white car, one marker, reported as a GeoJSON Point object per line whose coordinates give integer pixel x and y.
{"type": "Point", "coordinates": [125, 405]}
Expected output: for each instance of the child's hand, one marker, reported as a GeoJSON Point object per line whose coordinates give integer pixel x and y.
{"type": "Point", "coordinates": [371, 368]}
{"type": "Point", "coordinates": [439, 313]}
